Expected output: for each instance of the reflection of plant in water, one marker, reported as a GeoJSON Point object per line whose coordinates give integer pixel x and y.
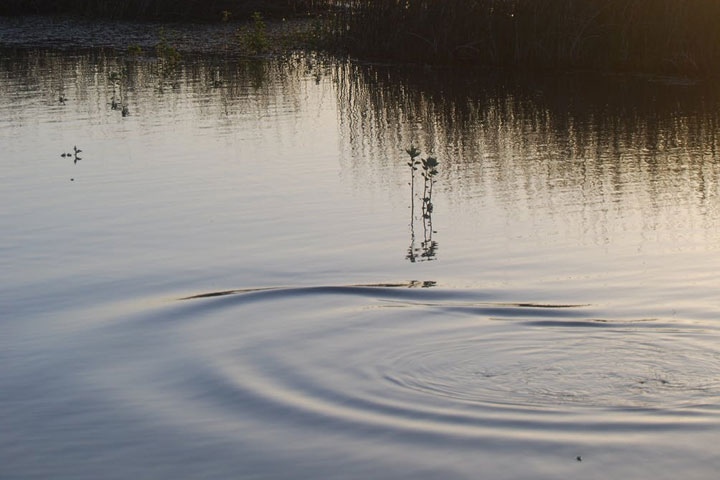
{"type": "Point", "coordinates": [428, 247]}
{"type": "Point", "coordinates": [256, 73]}
{"type": "Point", "coordinates": [117, 101]}
{"type": "Point", "coordinates": [114, 79]}
{"type": "Point", "coordinates": [75, 154]}
{"type": "Point", "coordinates": [168, 58]}
{"type": "Point", "coordinates": [414, 153]}
{"type": "Point", "coordinates": [429, 171]}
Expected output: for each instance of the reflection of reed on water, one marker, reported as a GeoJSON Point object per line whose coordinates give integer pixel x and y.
{"type": "Point", "coordinates": [223, 87]}
{"type": "Point", "coordinates": [626, 142]}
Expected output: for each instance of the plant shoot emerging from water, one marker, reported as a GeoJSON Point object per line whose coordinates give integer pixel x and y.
{"type": "Point", "coordinates": [429, 166]}
{"type": "Point", "coordinates": [254, 39]}
{"type": "Point", "coordinates": [413, 163]}
{"type": "Point", "coordinates": [429, 171]}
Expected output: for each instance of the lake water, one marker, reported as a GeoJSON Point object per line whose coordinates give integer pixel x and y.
{"type": "Point", "coordinates": [229, 281]}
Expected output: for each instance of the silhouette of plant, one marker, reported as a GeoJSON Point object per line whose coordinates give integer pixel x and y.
{"type": "Point", "coordinates": [428, 247]}
{"type": "Point", "coordinates": [75, 155]}
{"type": "Point", "coordinates": [114, 79]}
{"type": "Point", "coordinates": [413, 153]}
{"type": "Point", "coordinates": [429, 166]}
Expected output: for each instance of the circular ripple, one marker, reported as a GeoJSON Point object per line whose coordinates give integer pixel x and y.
{"type": "Point", "coordinates": [551, 366]}
{"type": "Point", "coordinates": [352, 353]}
{"type": "Point", "coordinates": [418, 365]}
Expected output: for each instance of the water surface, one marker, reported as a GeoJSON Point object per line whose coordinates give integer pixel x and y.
{"type": "Point", "coordinates": [228, 281]}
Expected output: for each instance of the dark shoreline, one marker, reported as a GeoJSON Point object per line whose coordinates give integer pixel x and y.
{"type": "Point", "coordinates": [307, 33]}
{"type": "Point", "coordinates": [659, 36]}
{"type": "Point", "coordinates": [159, 10]}
{"type": "Point", "coordinates": [69, 32]}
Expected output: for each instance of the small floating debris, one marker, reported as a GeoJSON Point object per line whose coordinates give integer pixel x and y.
{"type": "Point", "coordinates": [578, 458]}
{"type": "Point", "coordinates": [62, 99]}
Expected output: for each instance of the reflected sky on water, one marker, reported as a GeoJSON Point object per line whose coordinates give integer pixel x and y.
{"type": "Point", "coordinates": [233, 278]}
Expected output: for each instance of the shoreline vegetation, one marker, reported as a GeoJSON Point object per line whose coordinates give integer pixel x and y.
{"type": "Point", "coordinates": [650, 36]}
{"type": "Point", "coordinates": [167, 10]}
{"type": "Point", "coordinates": [661, 36]}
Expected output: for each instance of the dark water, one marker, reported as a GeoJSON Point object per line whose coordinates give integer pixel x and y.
{"type": "Point", "coordinates": [228, 281]}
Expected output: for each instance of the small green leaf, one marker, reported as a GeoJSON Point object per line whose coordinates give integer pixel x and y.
{"type": "Point", "coordinates": [413, 152]}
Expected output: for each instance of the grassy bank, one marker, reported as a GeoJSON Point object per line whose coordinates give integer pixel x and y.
{"type": "Point", "coordinates": [190, 10]}
{"type": "Point", "coordinates": [645, 35]}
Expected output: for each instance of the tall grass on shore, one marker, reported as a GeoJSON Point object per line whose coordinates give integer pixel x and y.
{"type": "Point", "coordinates": [647, 35]}
{"type": "Point", "coordinates": [157, 9]}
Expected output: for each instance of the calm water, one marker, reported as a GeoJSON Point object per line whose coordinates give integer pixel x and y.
{"type": "Point", "coordinates": [229, 281]}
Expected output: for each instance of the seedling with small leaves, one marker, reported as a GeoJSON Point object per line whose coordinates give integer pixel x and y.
{"type": "Point", "coordinates": [413, 164]}
{"type": "Point", "coordinates": [429, 166]}
{"type": "Point", "coordinates": [75, 155]}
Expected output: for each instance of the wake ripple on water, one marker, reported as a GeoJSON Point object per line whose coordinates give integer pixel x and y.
{"type": "Point", "coordinates": [384, 372]}
{"type": "Point", "coordinates": [419, 359]}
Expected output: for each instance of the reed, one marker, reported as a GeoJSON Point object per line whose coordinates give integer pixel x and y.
{"type": "Point", "coordinates": [648, 35]}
